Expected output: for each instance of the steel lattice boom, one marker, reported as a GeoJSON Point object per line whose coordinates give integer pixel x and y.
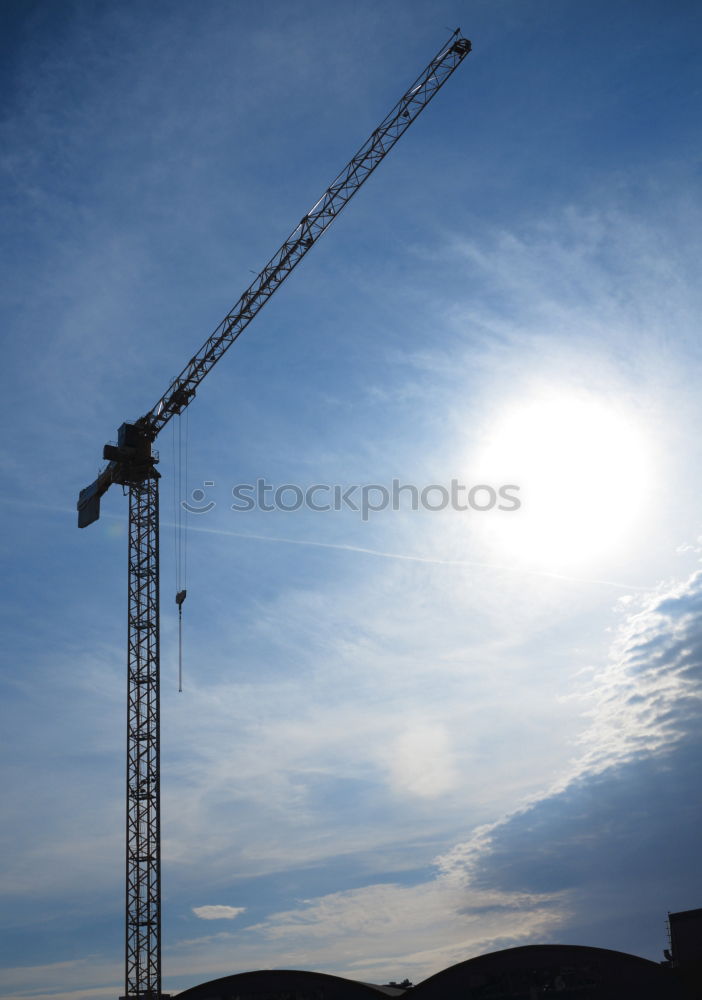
{"type": "Point", "coordinates": [132, 464]}
{"type": "Point", "coordinates": [308, 231]}
{"type": "Point", "coordinates": [143, 916]}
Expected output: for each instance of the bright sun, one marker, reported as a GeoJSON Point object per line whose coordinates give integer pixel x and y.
{"type": "Point", "coordinates": [582, 466]}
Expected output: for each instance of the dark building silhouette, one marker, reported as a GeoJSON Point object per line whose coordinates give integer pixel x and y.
{"type": "Point", "coordinates": [545, 970]}
{"type": "Point", "coordinates": [685, 953]}
{"type": "Point", "coordinates": [531, 972]}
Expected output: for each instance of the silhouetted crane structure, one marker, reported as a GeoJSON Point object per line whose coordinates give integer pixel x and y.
{"type": "Point", "coordinates": [132, 465]}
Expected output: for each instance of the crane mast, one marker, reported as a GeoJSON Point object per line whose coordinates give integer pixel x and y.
{"type": "Point", "coordinates": [132, 464]}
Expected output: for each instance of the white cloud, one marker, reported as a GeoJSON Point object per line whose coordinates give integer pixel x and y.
{"type": "Point", "coordinates": [650, 689]}
{"type": "Point", "coordinates": [218, 912]}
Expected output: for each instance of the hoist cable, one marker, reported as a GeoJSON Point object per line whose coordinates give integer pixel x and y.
{"type": "Point", "coordinates": [180, 647]}
{"type": "Point", "coordinates": [175, 505]}
{"type": "Point", "coordinates": [180, 478]}
{"type": "Point", "coordinates": [185, 538]}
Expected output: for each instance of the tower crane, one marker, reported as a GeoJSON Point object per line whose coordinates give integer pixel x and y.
{"type": "Point", "coordinates": [132, 465]}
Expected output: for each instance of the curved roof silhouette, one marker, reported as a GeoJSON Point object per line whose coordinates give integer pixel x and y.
{"type": "Point", "coordinates": [559, 970]}
{"type": "Point", "coordinates": [529, 972]}
{"type": "Point", "coordinates": [286, 984]}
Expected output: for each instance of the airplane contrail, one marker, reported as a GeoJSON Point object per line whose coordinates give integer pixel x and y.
{"type": "Point", "coordinates": [431, 560]}
{"type": "Point", "coordinates": [378, 553]}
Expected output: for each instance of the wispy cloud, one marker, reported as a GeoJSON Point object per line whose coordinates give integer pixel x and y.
{"type": "Point", "coordinates": [598, 833]}
{"type": "Point", "coordinates": [379, 931]}
{"type": "Point", "coordinates": [651, 691]}
{"type": "Point", "coordinates": [542, 871]}
{"type": "Point", "coordinates": [87, 978]}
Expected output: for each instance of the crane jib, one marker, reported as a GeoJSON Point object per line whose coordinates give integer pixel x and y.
{"type": "Point", "coordinates": [323, 212]}
{"type": "Point", "coordinates": [302, 239]}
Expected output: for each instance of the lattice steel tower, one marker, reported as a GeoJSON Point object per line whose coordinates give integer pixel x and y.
{"type": "Point", "coordinates": [132, 464]}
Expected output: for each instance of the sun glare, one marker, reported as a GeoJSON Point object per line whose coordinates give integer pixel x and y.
{"type": "Point", "coordinates": [582, 467]}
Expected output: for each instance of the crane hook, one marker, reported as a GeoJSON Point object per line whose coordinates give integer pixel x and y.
{"type": "Point", "coordinates": [180, 597]}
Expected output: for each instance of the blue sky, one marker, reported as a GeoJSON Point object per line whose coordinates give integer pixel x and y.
{"type": "Point", "coordinates": [404, 741]}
